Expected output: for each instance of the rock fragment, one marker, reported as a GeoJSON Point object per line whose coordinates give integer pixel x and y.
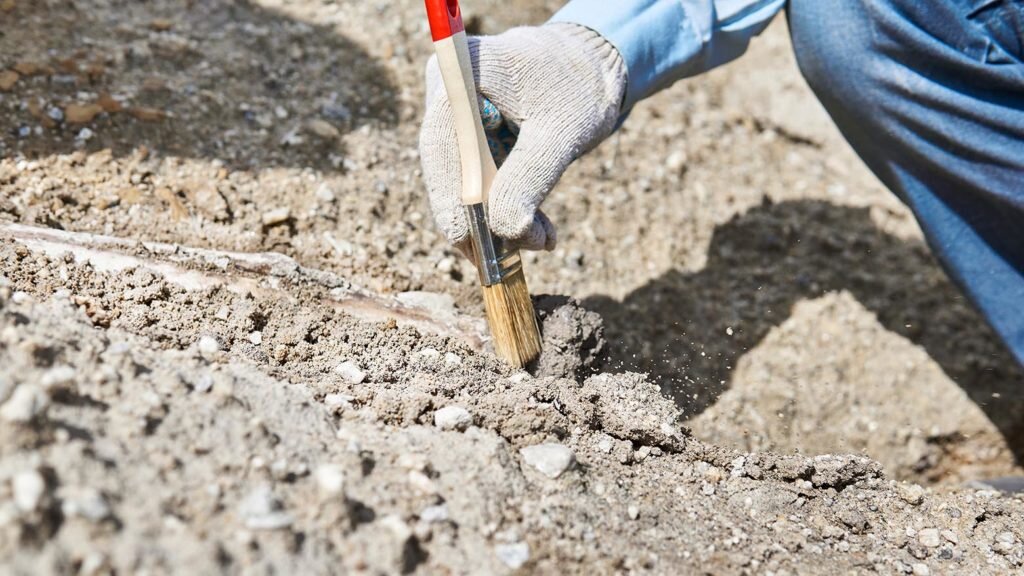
{"type": "Point", "coordinates": [276, 216]}
{"type": "Point", "coordinates": [911, 493]}
{"type": "Point", "coordinates": [550, 459]}
{"type": "Point", "coordinates": [26, 403]}
{"type": "Point", "coordinates": [351, 372]}
{"type": "Point", "coordinates": [147, 114]}
{"type": "Point", "coordinates": [330, 479]}
{"type": "Point", "coordinates": [453, 418]}
{"type": "Point", "coordinates": [513, 555]}
{"type": "Point", "coordinates": [1004, 543]}
{"type": "Point", "coordinates": [81, 113]}
{"type": "Point", "coordinates": [323, 129]}
{"type": "Point", "coordinates": [208, 345]}
{"type": "Point", "coordinates": [29, 488]}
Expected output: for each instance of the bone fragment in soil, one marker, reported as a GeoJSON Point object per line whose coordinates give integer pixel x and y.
{"type": "Point", "coordinates": [242, 272]}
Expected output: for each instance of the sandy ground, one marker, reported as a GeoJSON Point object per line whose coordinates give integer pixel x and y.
{"type": "Point", "coordinates": [789, 382]}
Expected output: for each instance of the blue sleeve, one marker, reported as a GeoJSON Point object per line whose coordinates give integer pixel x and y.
{"type": "Point", "coordinates": [662, 41]}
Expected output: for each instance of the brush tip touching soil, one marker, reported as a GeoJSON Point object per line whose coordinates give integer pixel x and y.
{"type": "Point", "coordinates": [512, 319]}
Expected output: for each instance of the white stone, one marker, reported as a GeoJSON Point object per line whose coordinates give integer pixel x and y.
{"type": "Point", "coordinates": [351, 372]}
{"type": "Point", "coordinates": [452, 359]}
{"type": "Point", "coordinates": [256, 338]}
{"type": "Point", "coordinates": [437, 513]}
{"type": "Point", "coordinates": [338, 400]}
{"type": "Point", "coordinates": [520, 377]}
{"type": "Point", "coordinates": [550, 459]}
{"type": "Point", "coordinates": [26, 403]}
{"type": "Point", "coordinates": [452, 418]}
{"type": "Point", "coordinates": [28, 487]}
{"type": "Point", "coordinates": [208, 345]}
{"type": "Point", "coordinates": [428, 354]}
{"type": "Point", "coordinates": [920, 569]}
{"type": "Point", "coordinates": [330, 479]}
{"type": "Point", "coordinates": [513, 555]}
{"type": "Point", "coordinates": [633, 511]}
{"type": "Point", "coordinates": [58, 377]}
{"type": "Point", "coordinates": [911, 493]}
{"type": "Point", "coordinates": [324, 193]}
{"type": "Point", "coordinates": [276, 216]}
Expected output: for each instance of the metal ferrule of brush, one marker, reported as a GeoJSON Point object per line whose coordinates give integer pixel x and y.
{"type": "Point", "coordinates": [494, 260]}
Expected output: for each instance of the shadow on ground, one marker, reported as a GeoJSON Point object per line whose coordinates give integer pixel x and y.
{"type": "Point", "coordinates": [204, 79]}
{"type": "Point", "coordinates": [764, 261]}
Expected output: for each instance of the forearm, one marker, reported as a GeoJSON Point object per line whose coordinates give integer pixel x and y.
{"type": "Point", "coordinates": [662, 41]}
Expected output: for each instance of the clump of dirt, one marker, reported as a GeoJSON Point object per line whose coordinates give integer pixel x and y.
{"type": "Point", "coordinates": [114, 456]}
{"type": "Point", "coordinates": [573, 338]}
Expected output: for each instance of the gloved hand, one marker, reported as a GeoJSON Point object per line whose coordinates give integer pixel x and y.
{"type": "Point", "coordinates": [560, 85]}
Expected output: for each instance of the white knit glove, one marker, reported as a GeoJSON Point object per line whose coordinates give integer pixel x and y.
{"type": "Point", "coordinates": [561, 85]}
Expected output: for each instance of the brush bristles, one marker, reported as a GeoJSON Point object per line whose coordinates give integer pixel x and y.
{"type": "Point", "coordinates": [512, 320]}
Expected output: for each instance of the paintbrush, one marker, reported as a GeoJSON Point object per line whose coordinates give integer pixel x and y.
{"type": "Point", "coordinates": [507, 301]}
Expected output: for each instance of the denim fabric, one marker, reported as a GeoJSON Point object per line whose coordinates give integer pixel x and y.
{"type": "Point", "coordinates": [931, 96]}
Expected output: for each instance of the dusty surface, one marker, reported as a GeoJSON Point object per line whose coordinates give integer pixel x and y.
{"type": "Point", "coordinates": [763, 301]}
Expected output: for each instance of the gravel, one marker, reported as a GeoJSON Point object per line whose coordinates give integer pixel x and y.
{"type": "Point", "coordinates": [453, 418]}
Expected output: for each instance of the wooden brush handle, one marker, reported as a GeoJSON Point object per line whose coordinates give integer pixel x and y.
{"type": "Point", "coordinates": [452, 49]}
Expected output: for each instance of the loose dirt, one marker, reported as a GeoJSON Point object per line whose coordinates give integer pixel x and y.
{"type": "Point", "coordinates": [752, 363]}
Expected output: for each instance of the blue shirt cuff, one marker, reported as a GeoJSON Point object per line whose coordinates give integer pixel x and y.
{"type": "Point", "coordinates": [656, 38]}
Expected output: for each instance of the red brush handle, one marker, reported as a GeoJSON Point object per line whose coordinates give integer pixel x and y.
{"type": "Point", "coordinates": [445, 18]}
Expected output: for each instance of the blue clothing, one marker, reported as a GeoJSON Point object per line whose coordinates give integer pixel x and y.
{"type": "Point", "coordinates": [929, 94]}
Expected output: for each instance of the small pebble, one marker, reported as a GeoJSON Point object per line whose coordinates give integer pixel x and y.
{"type": "Point", "coordinates": [550, 459]}
{"type": "Point", "coordinates": [633, 511]}
{"type": "Point", "coordinates": [324, 193]}
{"type": "Point", "coordinates": [29, 488]}
{"type": "Point", "coordinates": [256, 338]}
{"type": "Point", "coordinates": [323, 129]}
{"type": "Point", "coordinates": [920, 569]}
{"type": "Point", "coordinates": [428, 354]}
{"type": "Point", "coordinates": [513, 555]}
{"type": "Point", "coordinates": [27, 402]}
{"type": "Point", "coordinates": [276, 216]}
{"type": "Point", "coordinates": [911, 493]}
{"type": "Point", "coordinates": [330, 479]}
{"type": "Point", "coordinates": [452, 418]}
{"type": "Point", "coordinates": [452, 359]}
{"type": "Point", "coordinates": [351, 372]}
{"type": "Point", "coordinates": [58, 378]}
{"type": "Point", "coordinates": [208, 345]}
{"type": "Point", "coordinates": [1004, 543]}
{"type": "Point", "coordinates": [438, 513]}
{"type": "Point", "coordinates": [338, 400]}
